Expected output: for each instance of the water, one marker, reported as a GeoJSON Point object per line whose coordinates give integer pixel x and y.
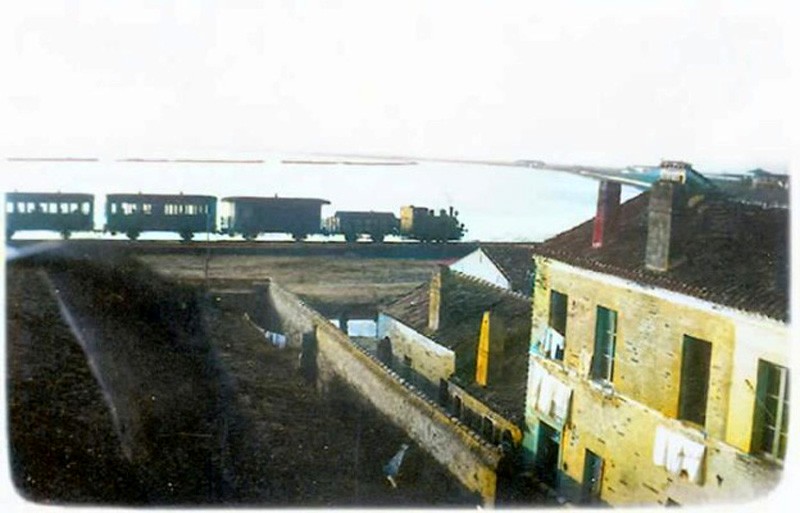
{"type": "Point", "coordinates": [495, 203]}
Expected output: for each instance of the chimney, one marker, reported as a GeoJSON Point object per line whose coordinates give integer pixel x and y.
{"type": "Point", "coordinates": [482, 358]}
{"type": "Point", "coordinates": [665, 212]}
{"type": "Point", "coordinates": [435, 299]}
{"type": "Point", "coordinates": [607, 209]}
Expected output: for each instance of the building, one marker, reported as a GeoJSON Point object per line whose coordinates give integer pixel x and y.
{"type": "Point", "coordinates": [435, 333]}
{"type": "Point", "coordinates": [506, 265]}
{"type": "Point", "coordinates": [659, 362]}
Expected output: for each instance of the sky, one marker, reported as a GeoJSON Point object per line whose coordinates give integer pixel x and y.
{"type": "Point", "coordinates": [614, 83]}
{"type": "Point", "coordinates": [596, 83]}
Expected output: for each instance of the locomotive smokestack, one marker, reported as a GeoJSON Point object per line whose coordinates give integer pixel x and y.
{"type": "Point", "coordinates": [451, 211]}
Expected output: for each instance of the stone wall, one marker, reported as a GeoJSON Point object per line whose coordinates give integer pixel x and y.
{"type": "Point", "coordinates": [430, 359]}
{"type": "Point", "coordinates": [469, 458]}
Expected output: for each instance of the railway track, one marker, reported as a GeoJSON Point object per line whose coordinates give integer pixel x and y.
{"type": "Point", "coordinates": [288, 248]}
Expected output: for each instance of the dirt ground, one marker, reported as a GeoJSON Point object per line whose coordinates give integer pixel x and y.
{"type": "Point", "coordinates": [324, 282]}
{"type": "Point", "coordinates": [274, 441]}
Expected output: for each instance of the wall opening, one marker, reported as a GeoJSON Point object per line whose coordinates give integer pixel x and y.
{"type": "Point", "coordinates": [547, 453]}
{"type": "Point", "coordinates": [695, 369]}
{"type": "Point", "coordinates": [592, 478]}
{"type": "Point", "coordinates": [605, 341]}
{"type": "Point", "coordinates": [558, 320]}
{"type": "Point", "coordinates": [771, 416]}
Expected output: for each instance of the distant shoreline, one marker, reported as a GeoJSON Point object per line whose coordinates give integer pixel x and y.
{"type": "Point", "coordinates": [52, 159]}
{"type": "Point", "coordinates": [347, 163]}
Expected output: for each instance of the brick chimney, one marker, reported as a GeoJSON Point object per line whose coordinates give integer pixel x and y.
{"type": "Point", "coordinates": [607, 209]}
{"type": "Point", "coordinates": [665, 212]}
{"type": "Point", "coordinates": [435, 299]}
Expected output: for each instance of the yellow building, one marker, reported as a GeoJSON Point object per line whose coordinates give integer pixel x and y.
{"type": "Point", "coordinates": [659, 362]}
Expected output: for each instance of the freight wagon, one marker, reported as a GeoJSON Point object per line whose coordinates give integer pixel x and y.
{"type": "Point", "coordinates": [352, 224]}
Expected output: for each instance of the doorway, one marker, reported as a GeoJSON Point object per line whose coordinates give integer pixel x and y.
{"type": "Point", "coordinates": [547, 453]}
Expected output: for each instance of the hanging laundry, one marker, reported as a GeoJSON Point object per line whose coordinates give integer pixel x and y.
{"type": "Point", "coordinates": [276, 339]}
{"type": "Point", "coordinates": [561, 399]}
{"type": "Point", "coordinates": [678, 454]}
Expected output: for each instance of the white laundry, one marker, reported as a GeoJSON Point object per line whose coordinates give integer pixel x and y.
{"type": "Point", "coordinates": [693, 460]}
{"type": "Point", "coordinates": [674, 454]}
{"type": "Point", "coordinates": [660, 446]}
{"type": "Point", "coordinates": [535, 381]}
{"type": "Point", "coordinates": [561, 398]}
{"type": "Point", "coordinates": [546, 394]}
{"type": "Point", "coordinates": [546, 342]}
{"type": "Point", "coordinates": [677, 454]}
{"type": "Point", "coordinates": [556, 343]}
{"type": "Point", "coordinates": [276, 339]}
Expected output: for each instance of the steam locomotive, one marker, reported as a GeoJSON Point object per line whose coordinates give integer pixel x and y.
{"type": "Point", "coordinates": [245, 216]}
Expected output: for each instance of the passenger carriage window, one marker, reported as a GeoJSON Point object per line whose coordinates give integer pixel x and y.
{"type": "Point", "coordinates": [147, 208]}
{"type": "Point", "coordinates": [41, 208]}
{"type": "Point", "coordinates": [53, 208]}
{"type": "Point", "coordinates": [31, 207]}
{"type": "Point", "coordinates": [113, 208]}
{"type": "Point", "coordinates": [85, 208]}
{"type": "Point", "coordinates": [21, 207]}
{"type": "Point", "coordinates": [64, 208]}
{"type": "Point", "coordinates": [9, 207]}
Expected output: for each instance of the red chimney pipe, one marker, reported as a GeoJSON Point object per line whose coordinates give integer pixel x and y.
{"type": "Point", "coordinates": [608, 197]}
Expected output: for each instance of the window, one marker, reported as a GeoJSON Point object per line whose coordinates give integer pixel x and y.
{"type": "Point", "coordinates": [771, 417]}
{"type": "Point", "coordinates": [695, 368]}
{"type": "Point", "coordinates": [64, 208]}
{"type": "Point", "coordinates": [592, 478]}
{"type": "Point", "coordinates": [53, 208]}
{"type": "Point", "coordinates": [9, 207]}
{"type": "Point", "coordinates": [457, 407]}
{"type": "Point", "coordinates": [113, 208]}
{"type": "Point", "coordinates": [86, 208]}
{"type": "Point", "coordinates": [487, 428]}
{"type": "Point", "coordinates": [557, 321]}
{"type": "Point", "coordinates": [147, 208]}
{"type": "Point", "coordinates": [129, 208]}
{"type": "Point", "coordinates": [605, 339]}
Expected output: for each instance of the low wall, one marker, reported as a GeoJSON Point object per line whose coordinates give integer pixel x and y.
{"type": "Point", "coordinates": [470, 459]}
{"type": "Point", "coordinates": [430, 359]}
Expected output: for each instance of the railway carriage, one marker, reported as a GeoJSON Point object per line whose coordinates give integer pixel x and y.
{"type": "Point", "coordinates": [53, 211]}
{"type": "Point", "coordinates": [184, 214]}
{"type": "Point", "coordinates": [251, 216]}
{"type": "Point", "coordinates": [352, 224]}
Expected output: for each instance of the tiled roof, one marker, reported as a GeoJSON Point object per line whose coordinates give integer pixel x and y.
{"type": "Point", "coordinates": [463, 301]}
{"type": "Point", "coordinates": [515, 261]}
{"type": "Point", "coordinates": [734, 254]}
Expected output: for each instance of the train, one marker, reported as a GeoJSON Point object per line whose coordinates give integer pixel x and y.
{"type": "Point", "coordinates": [247, 216]}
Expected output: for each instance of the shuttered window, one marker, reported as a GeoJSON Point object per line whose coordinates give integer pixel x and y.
{"type": "Point", "coordinates": [771, 422]}
{"type": "Point", "coordinates": [605, 341]}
